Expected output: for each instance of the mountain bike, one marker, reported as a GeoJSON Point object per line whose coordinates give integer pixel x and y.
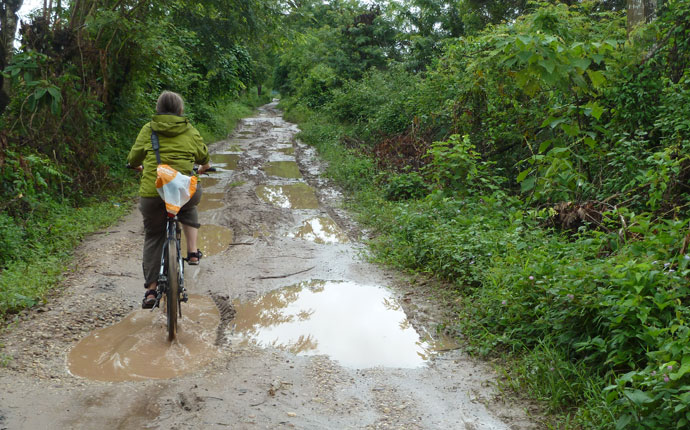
{"type": "Point", "coordinates": [171, 276]}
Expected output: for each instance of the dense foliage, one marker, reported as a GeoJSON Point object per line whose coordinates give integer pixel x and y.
{"type": "Point", "coordinates": [536, 157]}
{"type": "Point", "coordinates": [78, 89]}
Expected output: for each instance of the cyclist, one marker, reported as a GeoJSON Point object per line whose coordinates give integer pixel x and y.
{"type": "Point", "coordinates": [181, 146]}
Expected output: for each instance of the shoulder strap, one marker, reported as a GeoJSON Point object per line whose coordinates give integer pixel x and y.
{"type": "Point", "coordinates": [156, 146]}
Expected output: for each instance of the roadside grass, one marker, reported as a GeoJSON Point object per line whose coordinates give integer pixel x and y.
{"type": "Point", "coordinates": [47, 248]}
{"type": "Point", "coordinates": [224, 116]}
{"type": "Point", "coordinates": [580, 321]}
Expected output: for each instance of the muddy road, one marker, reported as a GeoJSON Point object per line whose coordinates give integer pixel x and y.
{"type": "Point", "coordinates": [287, 325]}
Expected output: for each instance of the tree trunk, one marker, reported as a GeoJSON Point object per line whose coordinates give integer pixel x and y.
{"type": "Point", "coordinates": [258, 89]}
{"type": "Point", "coordinates": [8, 28]}
{"type": "Point", "coordinates": [640, 12]}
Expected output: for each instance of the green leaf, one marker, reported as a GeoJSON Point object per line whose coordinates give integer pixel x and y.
{"type": "Point", "coordinates": [55, 106]}
{"type": "Point", "coordinates": [684, 368]}
{"type": "Point", "coordinates": [591, 143]}
{"type": "Point", "coordinates": [571, 130]}
{"type": "Point", "coordinates": [548, 65]}
{"type": "Point", "coordinates": [597, 77]}
{"type": "Point", "coordinates": [582, 63]}
{"type": "Point", "coordinates": [55, 93]}
{"type": "Point", "coordinates": [623, 422]}
{"type": "Point", "coordinates": [596, 110]}
{"type": "Point", "coordinates": [528, 184]}
{"type": "Point", "coordinates": [525, 39]}
{"type": "Point", "coordinates": [556, 121]}
{"type": "Point", "coordinates": [544, 146]}
{"type": "Point", "coordinates": [638, 397]}
{"type": "Point", "coordinates": [521, 177]}
{"type": "Point", "coordinates": [40, 92]}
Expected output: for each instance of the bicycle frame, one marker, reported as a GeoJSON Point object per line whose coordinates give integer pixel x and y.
{"type": "Point", "coordinates": [173, 233]}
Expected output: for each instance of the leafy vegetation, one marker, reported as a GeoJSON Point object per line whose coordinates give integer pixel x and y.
{"type": "Point", "coordinates": [539, 166]}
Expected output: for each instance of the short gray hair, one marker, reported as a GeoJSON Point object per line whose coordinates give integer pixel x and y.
{"type": "Point", "coordinates": [169, 103]}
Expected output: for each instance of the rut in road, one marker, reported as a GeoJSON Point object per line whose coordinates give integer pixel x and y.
{"type": "Point", "coordinates": [283, 261]}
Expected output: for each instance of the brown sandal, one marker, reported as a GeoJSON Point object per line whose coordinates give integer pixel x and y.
{"type": "Point", "coordinates": [149, 299]}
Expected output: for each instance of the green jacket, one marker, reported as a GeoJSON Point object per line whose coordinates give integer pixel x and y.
{"type": "Point", "coordinates": [181, 146]}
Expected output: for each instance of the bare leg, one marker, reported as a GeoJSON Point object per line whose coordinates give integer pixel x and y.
{"type": "Point", "coordinates": [190, 233]}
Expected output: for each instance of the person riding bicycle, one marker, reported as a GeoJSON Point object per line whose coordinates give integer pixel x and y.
{"type": "Point", "coordinates": [181, 146]}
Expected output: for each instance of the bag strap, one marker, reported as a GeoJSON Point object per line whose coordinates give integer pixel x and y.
{"type": "Point", "coordinates": [156, 146]}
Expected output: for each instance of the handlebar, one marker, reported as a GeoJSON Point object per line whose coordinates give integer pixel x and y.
{"type": "Point", "coordinates": [196, 168]}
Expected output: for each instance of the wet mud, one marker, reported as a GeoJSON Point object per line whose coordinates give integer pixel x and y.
{"type": "Point", "coordinates": [296, 330]}
{"type": "Point", "coordinates": [136, 348]}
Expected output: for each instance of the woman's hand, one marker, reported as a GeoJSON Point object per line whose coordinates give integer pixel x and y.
{"type": "Point", "coordinates": [136, 168]}
{"type": "Point", "coordinates": [204, 168]}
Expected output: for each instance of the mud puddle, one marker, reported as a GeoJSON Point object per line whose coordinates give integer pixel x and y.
{"type": "Point", "coordinates": [137, 347]}
{"type": "Point", "coordinates": [360, 326]}
{"type": "Point", "coordinates": [283, 169]}
{"type": "Point", "coordinates": [292, 196]}
{"type": "Point", "coordinates": [321, 230]}
{"type": "Point", "coordinates": [210, 201]}
{"type": "Point", "coordinates": [226, 161]}
{"type": "Point", "coordinates": [208, 182]}
{"type": "Point", "coordinates": [212, 240]}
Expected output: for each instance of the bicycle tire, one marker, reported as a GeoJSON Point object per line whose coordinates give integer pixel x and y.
{"type": "Point", "coordinates": [172, 294]}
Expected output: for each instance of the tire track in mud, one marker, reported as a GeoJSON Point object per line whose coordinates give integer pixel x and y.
{"type": "Point", "coordinates": [227, 314]}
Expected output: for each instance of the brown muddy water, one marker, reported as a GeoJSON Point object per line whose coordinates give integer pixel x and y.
{"type": "Point", "coordinates": [210, 201]}
{"type": "Point", "coordinates": [292, 196]}
{"type": "Point", "coordinates": [212, 239]}
{"type": "Point", "coordinates": [226, 161]}
{"type": "Point", "coordinates": [287, 151]}
{"type": "Point", "coordinates": [283, 169]}
{"type": "Point", "coordinates": [137, 347]}
{"type": "Point", "coordinates": [207, 181]}
{"type": "Point", "coordinates": [234, 148]}
{"type": "Point", "coordinates": [360, 326]}
{"type": "Point", "coordinates": [321, 230]}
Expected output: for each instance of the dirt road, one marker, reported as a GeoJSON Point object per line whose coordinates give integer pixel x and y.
{"type": "Point", "coordinates": [287, 326]}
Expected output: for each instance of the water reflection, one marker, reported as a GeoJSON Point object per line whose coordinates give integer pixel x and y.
{"type": "Point", "coordinates": [208, 182]}
{"type": "Point", "coordinates": [137, 347]}
{"type": "Point", "coordinates": [211, 201]}
{"type": "Point", "coordinates": [211, 240]}
{"type": "Point", "coordinates": [295, 196]}
{"type": "Point", "coordinates": [226, 161]}
{"type": "Point", "coordinates": [321, 230]}
{"type": "Point", "coordinates": [359, 325]}
{"type": "Point", "coordinates": [283, 169]}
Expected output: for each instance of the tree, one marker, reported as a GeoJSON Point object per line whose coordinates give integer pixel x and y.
{"type": "Point", "coordinates": [640, 11]}
{"type": "Point", "coordinates": [8, 28]}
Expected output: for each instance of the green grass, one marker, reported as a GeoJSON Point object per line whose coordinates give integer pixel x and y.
{"type": "Point", "coordinates": [224, 117]}
{"type": "Point", "coordinates": [47, 251]}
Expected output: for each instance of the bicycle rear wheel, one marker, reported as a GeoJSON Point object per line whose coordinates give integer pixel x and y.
{"type": "Point", "coordinates": [172, 294]}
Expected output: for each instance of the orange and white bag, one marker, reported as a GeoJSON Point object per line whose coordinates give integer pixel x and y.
{"type": "Point", "coordinates": [174, 188]}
